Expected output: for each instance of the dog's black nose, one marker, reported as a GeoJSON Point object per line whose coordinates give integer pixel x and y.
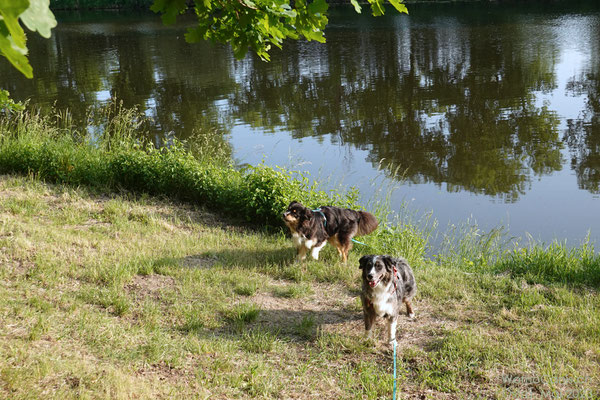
{"type": "Point", "coordinates": [370, 277]}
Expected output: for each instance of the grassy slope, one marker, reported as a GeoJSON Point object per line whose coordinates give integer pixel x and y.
{"type": "Point", "coordinates": [123, 297]}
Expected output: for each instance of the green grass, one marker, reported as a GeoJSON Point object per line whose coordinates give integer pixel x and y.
{"type": "Point", "coordinates": [127, 296]}
{"type": "Point", "coordinates": [118, 281]}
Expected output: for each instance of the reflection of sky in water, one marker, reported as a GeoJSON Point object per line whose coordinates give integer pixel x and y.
{"type": "Point", "coordinates": [103, 96]}
{"type": "Point", "coordinates": [551, 207]}
{"type": "Point", "coordinates": [150, 108]}
{"type": "Point", "coordinates": [571, 63]}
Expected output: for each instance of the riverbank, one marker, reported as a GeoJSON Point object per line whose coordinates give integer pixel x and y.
{"type": "Point", "coordinates": [112, 155]}
{"type": "Point", "coordinates": [125, 296]}
{"type": "Point", "coordinates": [144, 272]}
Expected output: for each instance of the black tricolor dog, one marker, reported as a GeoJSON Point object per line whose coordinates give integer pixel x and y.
{"type": "Point", "coordinates": [387, 282]}
{"type": "Point", "coordinates": [311, 229]}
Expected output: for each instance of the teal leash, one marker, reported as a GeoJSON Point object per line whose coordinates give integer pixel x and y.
{"type": "Point", "coordinates": [324, 217]}
{"type": "Point", "coordinates": [394, 398]}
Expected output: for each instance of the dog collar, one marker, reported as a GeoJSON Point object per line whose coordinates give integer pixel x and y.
{"type": "Point", "coordinates": [318, 210]}
{"type": "Point", "coordinates": [395, 280]}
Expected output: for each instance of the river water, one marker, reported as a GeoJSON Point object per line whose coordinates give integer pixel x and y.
{"type": "Point", "coordinates": [482, 112]}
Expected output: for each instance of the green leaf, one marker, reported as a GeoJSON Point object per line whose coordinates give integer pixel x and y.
{"type": "Point", "coordinates": [8, 104]}
{"type": "Point", "coordinates": [240, 50]}
{"type": "Point", "coordinates": [38, 17]}
{"type": "Point", "coordinates": [194, 35]}
{"type": "Point", "coordinates": [10, 11]}
{"type": "Point", "coordinates": [357, 6]}
{"type": "Point", "coordinates": [399, 6]}
{"type": "Point", "coordinates": [377, 7]}
{"type": "Point", "coordinates": [14, 54]}
{"type": "Point", "coordinates": [170, 9]}
{"type": "Point", "coordinates": [318, 7]}
{"type": "Point", "coordinates": [288, 12]}
{"type": "Point", "coordinates": [315, 35]}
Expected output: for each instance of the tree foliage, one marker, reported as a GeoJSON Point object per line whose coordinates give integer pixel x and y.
{"type": "Point", "coordinates": [36, 16]}
{"type": "Point", "coordinates": [258, 24]}
{"type": "Point", "coordinates": [245, 24]}
{"type": "Point", "coordinates": [8, 105]}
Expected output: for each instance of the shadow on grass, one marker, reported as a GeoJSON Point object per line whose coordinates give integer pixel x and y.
{"type": "Point", "coordinates": [251, 259]}
{"type": "Point", "coordinates": [283, 324]}
{"type": "Point", "coordinates": [274, 320]}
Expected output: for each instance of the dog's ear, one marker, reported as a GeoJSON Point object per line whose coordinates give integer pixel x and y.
{"type": "Point", "coordinates": [388, 262]}
{"type": "Point", "coordinates": [363, 262]}
{"type": "Point", "coordinates": [294, 202]}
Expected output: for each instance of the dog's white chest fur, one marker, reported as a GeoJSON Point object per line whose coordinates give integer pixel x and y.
{"type": "Point", "coordinates": [300, 240]}
{"type": "Point", "coordinates": [381, 301]}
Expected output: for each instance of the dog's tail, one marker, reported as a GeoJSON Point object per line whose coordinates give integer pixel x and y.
{"type": "Point", "coordinates": [366, 224]}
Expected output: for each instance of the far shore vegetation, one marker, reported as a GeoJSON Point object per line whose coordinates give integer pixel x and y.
{"type": "Point", "coordinates": [146, 4]}
{"type": "Point", "coordinates": [99, 4]}
{"type": "Point", "coordinates": [131, 271]}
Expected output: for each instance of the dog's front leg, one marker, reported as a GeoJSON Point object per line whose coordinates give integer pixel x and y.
{"type": "Point", "coordinates": [369, 316]}
{"type": "Point", "coordinates": [300, 248]}
{"type": "Point", "coordinates": [301, 255]}
{"type": "Point", "coordinates": [315, 250]}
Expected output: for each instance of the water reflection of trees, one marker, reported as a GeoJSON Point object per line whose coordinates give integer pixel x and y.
{"type": "Point", "coordinates": [445, 100]}
{"type": "Point", "coordinates": [449, 105]}
{"type": "Point", "coordinates": [583, 134]}
{"type": "Point", "coordinates": [137, 62]}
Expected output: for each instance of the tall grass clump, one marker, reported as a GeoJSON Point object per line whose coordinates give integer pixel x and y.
{"type": "Point", "coordinates": [555, 263]}
{"type": "Point", "coordinates": [403, 232]}
{"type": "Point", "coordinates": [467, 247]}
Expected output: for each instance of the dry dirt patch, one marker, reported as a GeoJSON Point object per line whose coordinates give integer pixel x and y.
{"type": "Point", "coordinates": [143, 286]}
{"type": "Point", "coordinates": [198, 261]}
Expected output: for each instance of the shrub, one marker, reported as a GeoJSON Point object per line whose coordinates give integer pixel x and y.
{"type": "Point", "coordinates": [116, 158]}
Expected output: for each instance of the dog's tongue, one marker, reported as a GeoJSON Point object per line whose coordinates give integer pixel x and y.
{"type": "Point", "coordinates": [373, 283]}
